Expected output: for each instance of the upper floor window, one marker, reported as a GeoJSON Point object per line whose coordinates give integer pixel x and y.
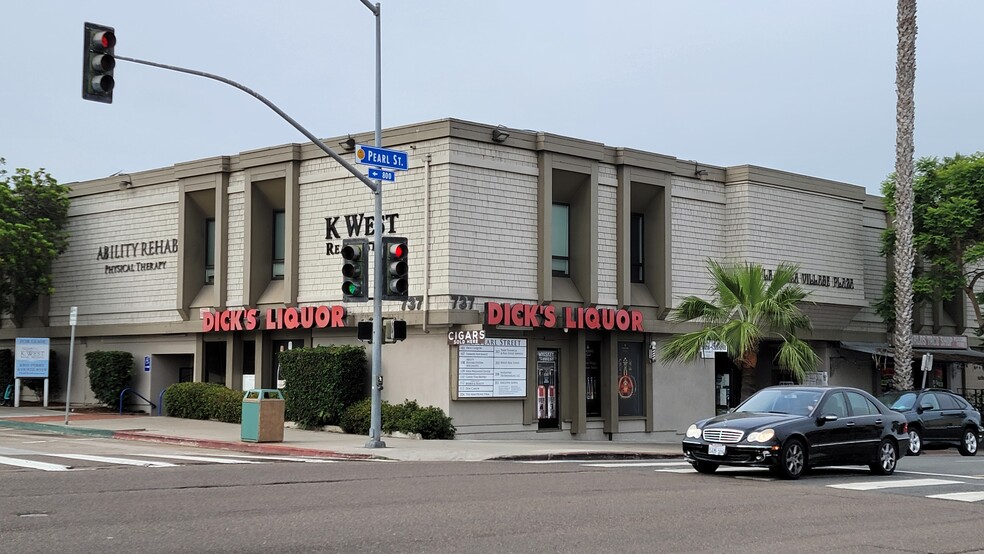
{"type": "Point", "coordinates": [636, 248]}
{"type": "Point", "coordinates": [561, 240]}
{"type": "Point", "coordinates": [279, 244]}
{"type": "Point", "coordinates": [209, 251]}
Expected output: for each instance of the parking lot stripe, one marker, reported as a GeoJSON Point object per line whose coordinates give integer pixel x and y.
{"type": "Point", "coordinates": [874, 485]}
{"type": "Point", "coordinates": [636, 464]}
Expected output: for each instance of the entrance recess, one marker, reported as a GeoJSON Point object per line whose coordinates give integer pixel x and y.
{"type": "Point", "coordinates": [547, 388]}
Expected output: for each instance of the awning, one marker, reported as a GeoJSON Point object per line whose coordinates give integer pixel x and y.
{"type": "Point", "coordinates": [939, 355]}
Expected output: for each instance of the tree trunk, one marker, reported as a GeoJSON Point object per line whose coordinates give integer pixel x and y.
{"type": "Point", "coordinates": [747, 363]}
{"type": "Point", "coordinates": [905, 77]}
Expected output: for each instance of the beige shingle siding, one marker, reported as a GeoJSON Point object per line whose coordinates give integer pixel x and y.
{"type": "Point", "coordinates": [698, 234]}
{"type": "Point", "coordinates": [134, 216]}
{"type": "Point", "coordinates": [236, 240]}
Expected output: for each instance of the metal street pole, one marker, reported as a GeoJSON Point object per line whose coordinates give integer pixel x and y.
{"type": "Point", "coordinates": [72, 320]}
{"type": "Point", "coordinates": [376, 415]}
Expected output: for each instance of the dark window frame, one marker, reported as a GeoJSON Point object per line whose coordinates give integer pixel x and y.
{"type": "Point", "coordinates": [210, 250]}
{"type": "Point", "coordinates": [637, 245]}
{"type": "Point", "coordinates": [279, 245]}
{"type": "Point", "coordinates": [565, 260]}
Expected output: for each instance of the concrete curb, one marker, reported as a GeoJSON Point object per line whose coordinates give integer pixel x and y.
{"type": "Point", "coordinates": [588, 455]}
{"type": "Point", "coordinates": [63, 429]}
{"type": "Point", "coordinates": [255, 448]}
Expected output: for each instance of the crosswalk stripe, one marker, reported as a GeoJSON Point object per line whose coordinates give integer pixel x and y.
{"type": "Point", "coordinates": [874, 485]}
{"type": "Point", "coordinates": [636, 464]}
{"type": "Point", "coordinates": [108, 460]}
{"type": "Point", "coordinates": [678, 470]}
{"type": "Point", "coordinates": [976, 496]}
{"type": "Point", "coordinates": [43, 466]}
{"type": "Point", "coordinates": [200, 459]}
{"type": "Point", "coordinates": [282, 458]}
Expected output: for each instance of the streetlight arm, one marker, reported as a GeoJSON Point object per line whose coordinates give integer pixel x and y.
{"type": "Point", "coordinates": [318, 142]}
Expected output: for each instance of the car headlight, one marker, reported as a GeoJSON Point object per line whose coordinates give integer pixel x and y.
{"type": "Point", "coordinates": [693, 432]}
{"type": "Point", "coordinates": [765, 435]}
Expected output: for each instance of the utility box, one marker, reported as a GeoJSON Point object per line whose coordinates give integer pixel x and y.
{"type": "Point", "coordinates": [263, 416]}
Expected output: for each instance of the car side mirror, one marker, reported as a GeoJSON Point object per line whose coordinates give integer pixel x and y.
{"type": "Point", "coordinates": [924, 407]}
{"type": "Point", "coordinates": [825, 418]}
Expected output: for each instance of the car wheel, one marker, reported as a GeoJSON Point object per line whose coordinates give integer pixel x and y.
{"type": "Point", "coordinates": [968, 442]}
{"type": "Point", "coordinates": [915, 442]}
{"type": "Point", "coordinates": [792, 459]}
{"type": "Point", "coordinates": [704, 467]}
{"type": "Point", "coordinates": [888, 457]}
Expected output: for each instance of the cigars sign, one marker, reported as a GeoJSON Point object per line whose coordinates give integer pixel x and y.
{"type": "Point", "coordinates": [552, 317]}
{"type": "Point", "coordinates": [251, 319]}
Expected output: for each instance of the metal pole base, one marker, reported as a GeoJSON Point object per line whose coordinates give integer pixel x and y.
{"type": "Point", "coordinates": [375, 443]}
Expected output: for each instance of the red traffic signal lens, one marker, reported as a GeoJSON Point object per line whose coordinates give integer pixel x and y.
{"type": "Point", "coordinates": [399, 250]}
{"type": "Point", "coordinates": [104, 39]}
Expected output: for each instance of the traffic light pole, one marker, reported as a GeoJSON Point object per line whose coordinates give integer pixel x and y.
{"type": "Point", "coordinates": [376, 414]}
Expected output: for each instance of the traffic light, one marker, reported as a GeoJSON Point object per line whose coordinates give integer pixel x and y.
{"type": "Point", "coordinates": [355, 268]}
{"type": "Point", "coordinates": [395, 269]}
{"type": "Point", "coordinates": [98, 62]}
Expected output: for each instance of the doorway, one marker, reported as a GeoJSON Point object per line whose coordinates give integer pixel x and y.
{"type": "Point", "coordinates": [547, 388]}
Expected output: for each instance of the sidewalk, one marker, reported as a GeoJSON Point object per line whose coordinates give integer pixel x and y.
{"type": "Point", "coordinates": [297, 442]}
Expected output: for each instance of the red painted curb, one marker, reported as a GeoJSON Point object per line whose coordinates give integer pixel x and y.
{"type": "Point", "coordinates": [256, 448]}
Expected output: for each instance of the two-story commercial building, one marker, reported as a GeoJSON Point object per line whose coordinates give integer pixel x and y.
{"type": "Point", "coordinates": [542, 269]}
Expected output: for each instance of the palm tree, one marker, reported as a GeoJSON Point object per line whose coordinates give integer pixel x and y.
{"type": "Point", "coordinates": [905, 77]}
{"type": "Point", "coordinates": [744, 312]}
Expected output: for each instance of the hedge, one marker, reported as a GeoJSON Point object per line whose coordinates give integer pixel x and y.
{"type": "Point", "coordinates": [203, 401]}
{"type": "Point", "coordinates": [430, 422]}
{"type": "Point", "coordinates": [109, 374]}
{"type": "Point", "coordinates": [322, 382]}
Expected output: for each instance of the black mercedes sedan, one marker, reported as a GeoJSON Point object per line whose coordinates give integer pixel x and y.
{"type": "Point", "coordinates": [937, 417]}
{"type": "Point", "coordinates": [789, 429]}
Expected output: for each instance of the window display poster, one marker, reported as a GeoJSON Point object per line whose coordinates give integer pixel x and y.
{"type": "Point", "coordinates": [592, 376]}
{"type": "Point", "coordinates": [629, 379]}
{"type": "Point", "coordinates": [496, 369]}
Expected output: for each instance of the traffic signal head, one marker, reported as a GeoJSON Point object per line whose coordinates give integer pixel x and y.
{"type": "Point", "coordinates": [395, 283]}
{"type": "Point", "coordinates": [98, 62]}
{"type": "Point", "coordinates": [355, 269]}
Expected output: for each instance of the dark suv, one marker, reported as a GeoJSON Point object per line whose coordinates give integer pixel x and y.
{"type": "Point", "coordinates": [937, 417]}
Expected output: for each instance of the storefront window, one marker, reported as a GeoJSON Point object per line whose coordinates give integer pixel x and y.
{"type": "Point", "coordinates": [629, 380]}
{"type": "Point", "coordinates": [278, 244]}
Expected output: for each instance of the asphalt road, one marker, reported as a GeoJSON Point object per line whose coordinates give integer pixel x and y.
{"type": "Point", "coordinates": [285, 505]}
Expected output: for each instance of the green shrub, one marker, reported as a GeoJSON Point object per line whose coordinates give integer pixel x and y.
{"type": "Point", "coordinates": [6, 369]}
{"type": "Point", "coordinates": [322, 382]}
{"type": "Point", "coordinates": [431, 423]}
{"type": "Point", "coordinates": [356, 418]}
{"type": "Point", "coordinates": [203, 401]}
{"type": "Point", "coordinates": [396, 417]}
{"type": "Point", "coordinates": [109, 374]}
{"type": "Point", "coordinates": [409, 417]}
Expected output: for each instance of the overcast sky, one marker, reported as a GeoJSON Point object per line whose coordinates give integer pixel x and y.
{"type": "Point", "coordinates": [800, 85]}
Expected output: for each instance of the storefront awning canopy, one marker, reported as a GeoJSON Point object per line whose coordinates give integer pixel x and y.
{"type": "Point", "coordinates": [939, 354]}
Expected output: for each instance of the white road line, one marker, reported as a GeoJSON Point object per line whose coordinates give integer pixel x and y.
{"type": "Point", "coordinates": [200, 459]}
{"type": "Point", "coordinates": [678, 470]}
{"type": "Point", "coordinates": [961, 496]}
{"type": "Point", "coordinates": [636, 464]}
{"type": "Point", "coordinates": [874, 485]}
{"type": "Point", "coordinates": [43, 466]}
{"type": "Point", "coordinates": [282, 458]}
{"type": "Point", "coordinates": [108, 460]}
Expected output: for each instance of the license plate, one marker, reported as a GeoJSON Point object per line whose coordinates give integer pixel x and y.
{"type": "Point", "coordinates": [715, 449]}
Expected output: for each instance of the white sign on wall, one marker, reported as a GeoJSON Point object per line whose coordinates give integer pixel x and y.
{"type": "Point", "coordinates": [495, 369]}
{"type": "Point", "coordinates": [31, 358]}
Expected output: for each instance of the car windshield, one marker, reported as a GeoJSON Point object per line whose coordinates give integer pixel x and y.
{"type": "Point", "coordinates": [899, 400]}
{"type": "Point", "coordinates": [781, 401]}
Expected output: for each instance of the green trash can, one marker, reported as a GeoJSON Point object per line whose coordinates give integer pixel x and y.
{"type": "Point", "coordinates": [263, 416]}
